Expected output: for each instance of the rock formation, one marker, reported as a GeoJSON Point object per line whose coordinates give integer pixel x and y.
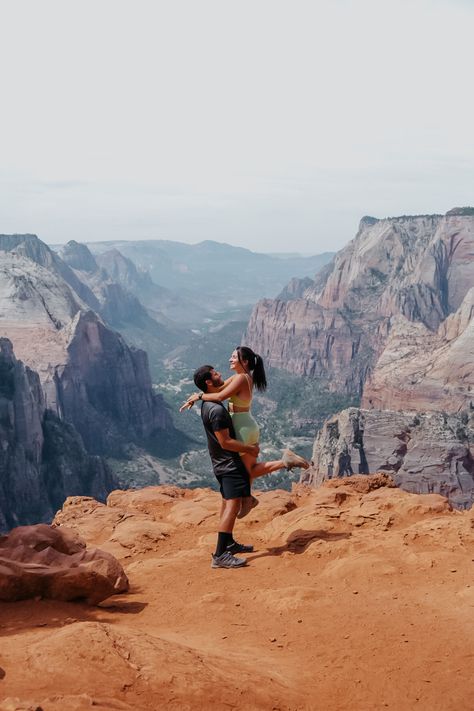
{"type": "Point", "coordinates": [77, 389]}
{"type": "Point", "coordinates": [419, 268]}
{"type": "Point", "coordinates": [40, 561]}
{"type": "Point", "coordinates": [390, 319]}
{"type": "Point", "coordinates": [424, 453]}
{"type": "Point", "coordinates": [358, 596]}
{"type": "Point", "coordinates": [42, 458]}
{"type": "Point", "coordinates": [166, 307]}
{"type": "Point", "coordinates": [425, 371]}
{"type": "Point", "coordinates": [90, 376]}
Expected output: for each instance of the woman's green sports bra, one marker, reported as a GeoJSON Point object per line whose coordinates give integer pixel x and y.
{"type": "Point", "coordinates": [238, 401]}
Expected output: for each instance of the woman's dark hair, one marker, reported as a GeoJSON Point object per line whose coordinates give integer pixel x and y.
{"type": "Point", "coordinates": [254, 366]}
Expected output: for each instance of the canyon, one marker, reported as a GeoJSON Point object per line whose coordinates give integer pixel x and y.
{"type": "Point", "coordinates": [72, 389]}
{"type": "Point", "coordinates": [390, 320]}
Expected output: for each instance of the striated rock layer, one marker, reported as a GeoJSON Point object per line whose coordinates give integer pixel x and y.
{"type": "Point", "coordinates": [358, 596]}
{"type": "Point", "coordinates": [90, 376]}
{"type": "Point", "coordinates": [418, 269]}
{"type": "Point", "coordinates": [422, 370]}
{"type": "Point", "coordinates": [77, 390]}
{"type": "Point", "coordinates": [42, 458]}
{"type": "Point", "coordinates": [423, 452]}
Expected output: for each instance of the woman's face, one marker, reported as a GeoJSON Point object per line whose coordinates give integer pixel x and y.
{"type": "Point", "coordinates": [235, 364]}
{"type": "Point", "coordinates": [234, 360]}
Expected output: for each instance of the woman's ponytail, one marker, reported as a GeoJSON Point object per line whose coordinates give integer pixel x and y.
{"type": "Point", "coordinates": [259, 377]}
{"type": "Point", "coordinates": [255, 366]}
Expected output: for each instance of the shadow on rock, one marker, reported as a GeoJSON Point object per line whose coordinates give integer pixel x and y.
{"type": "Point", "coordinates": [298, 541]}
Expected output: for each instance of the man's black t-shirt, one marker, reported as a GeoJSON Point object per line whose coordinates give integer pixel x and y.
{"type": "Point", "coordinates": [215, 418]}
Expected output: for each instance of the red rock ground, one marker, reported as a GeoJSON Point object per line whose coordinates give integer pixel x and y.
{"type": "Point", "coordinates": [357, 597]}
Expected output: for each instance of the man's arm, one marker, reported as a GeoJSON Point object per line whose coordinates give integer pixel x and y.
{"type": "Point", "coordinates": [233, 445]}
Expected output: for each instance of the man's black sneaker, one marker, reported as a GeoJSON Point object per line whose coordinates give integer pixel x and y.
{"type": "Point", "coordinates": [239, 548]}
{"type": "Point", "coordinates": [227, 560]}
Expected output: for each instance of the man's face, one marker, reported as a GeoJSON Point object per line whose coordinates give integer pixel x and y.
{"type": "Point", "coordinates": [216, 379]}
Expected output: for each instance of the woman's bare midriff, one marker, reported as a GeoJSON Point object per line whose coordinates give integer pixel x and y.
{"type": "Point", "coordinates": [233, 408]}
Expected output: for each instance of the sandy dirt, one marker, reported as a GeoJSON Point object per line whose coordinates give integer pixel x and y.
{"type": "Point", "coordinates": [357, 597]}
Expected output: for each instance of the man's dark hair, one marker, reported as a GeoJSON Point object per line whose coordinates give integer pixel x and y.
{"type": "Point", "coordinates": [201, 375]}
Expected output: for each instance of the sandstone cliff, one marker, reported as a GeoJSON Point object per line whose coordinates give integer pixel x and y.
{"type": "Point", "coordinates": [418, 268]}
{"type": "Point", "coordinates": [423, 370]}
{"type": "Point", "coordinates": [90, 376]}
{"type": "Point", "coordinates": [391, 319]}
{"type": "Point", "coordinates": [42, 458]}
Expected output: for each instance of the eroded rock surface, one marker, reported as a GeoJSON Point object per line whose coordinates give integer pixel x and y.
{"type": "Point", "coordinates": [358, 596]}
{"type": "Point", "coordinates": [42, 458]}
{"type": "Point", "coordinates": [89, 375]}
{"type": "Point", "coordinates": [419, 268]}
{"type": "Point", "coordinates": [46, 562]}
{"type": "Point", "coordinates": [423, 452]}
{"type": "Point", "coordinates": [426, 371]}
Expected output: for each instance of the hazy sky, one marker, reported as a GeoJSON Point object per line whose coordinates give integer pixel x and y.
{"type": "Point", "coordinates": [270, 124]}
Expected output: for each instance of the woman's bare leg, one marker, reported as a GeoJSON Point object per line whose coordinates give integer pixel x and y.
{"type": "Point", "coordinates": [256, 469]}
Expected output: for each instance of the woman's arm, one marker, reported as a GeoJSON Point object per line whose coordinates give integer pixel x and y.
{"type": "Point", "coordinates": [233, 386]}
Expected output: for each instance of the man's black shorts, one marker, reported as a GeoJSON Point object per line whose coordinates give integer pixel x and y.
{"type": "Point", "coordinates": [234, 485]}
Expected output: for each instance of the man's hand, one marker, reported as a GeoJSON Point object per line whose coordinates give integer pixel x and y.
{"type": "Point", "coordinates": [254, 450]}
{"type": "Point", "coordinates": [234, 445]}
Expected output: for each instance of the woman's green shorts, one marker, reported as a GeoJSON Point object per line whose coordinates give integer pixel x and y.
{"type": "Point", "coordinates": [245, 427]}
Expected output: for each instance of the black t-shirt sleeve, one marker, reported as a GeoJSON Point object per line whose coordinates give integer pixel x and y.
{"type": "Point", "coordinates": [218, 419]}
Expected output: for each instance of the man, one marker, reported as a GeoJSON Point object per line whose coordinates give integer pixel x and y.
{"type": "Point", "coordinates": [228, 467]}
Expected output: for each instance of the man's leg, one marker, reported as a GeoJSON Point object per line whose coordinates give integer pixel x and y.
{"type": "Point", "coordinates": [229, 510]}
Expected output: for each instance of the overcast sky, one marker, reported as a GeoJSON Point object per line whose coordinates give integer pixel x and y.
{"type": "Point", "coordinates": [270, 124]}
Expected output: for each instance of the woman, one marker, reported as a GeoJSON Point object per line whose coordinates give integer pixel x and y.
{"type": "Point", "coordinates": [249, 372]}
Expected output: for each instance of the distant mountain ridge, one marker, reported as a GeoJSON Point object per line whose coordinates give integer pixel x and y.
{"type": "Point", "coordinates": [218, 275]}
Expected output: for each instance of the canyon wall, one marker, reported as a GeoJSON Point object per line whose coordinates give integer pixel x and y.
{"type": "Point", "coordinates": [42, 458]}
{"type": "Point", "coordinates": [71, 388]}
{"type": "Point", "coordinates": [412, 270]}
{"type": "Point", "coordinates": [391, 319]}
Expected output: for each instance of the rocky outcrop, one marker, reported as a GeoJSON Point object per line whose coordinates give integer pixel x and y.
{"type": "Point", "coordinates": [423, 452]}
{"type": "Point", "coordinates": [42, 458]}
{"type": "Point", "coordinates": [418, 268]}
{"type": "Point", "coordinates": [394, 569]}
{"type": "Point", "coordinates": [41, 561]}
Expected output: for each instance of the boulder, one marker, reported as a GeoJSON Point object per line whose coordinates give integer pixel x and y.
{"type": "Point", "coordinates": [41, 561]}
